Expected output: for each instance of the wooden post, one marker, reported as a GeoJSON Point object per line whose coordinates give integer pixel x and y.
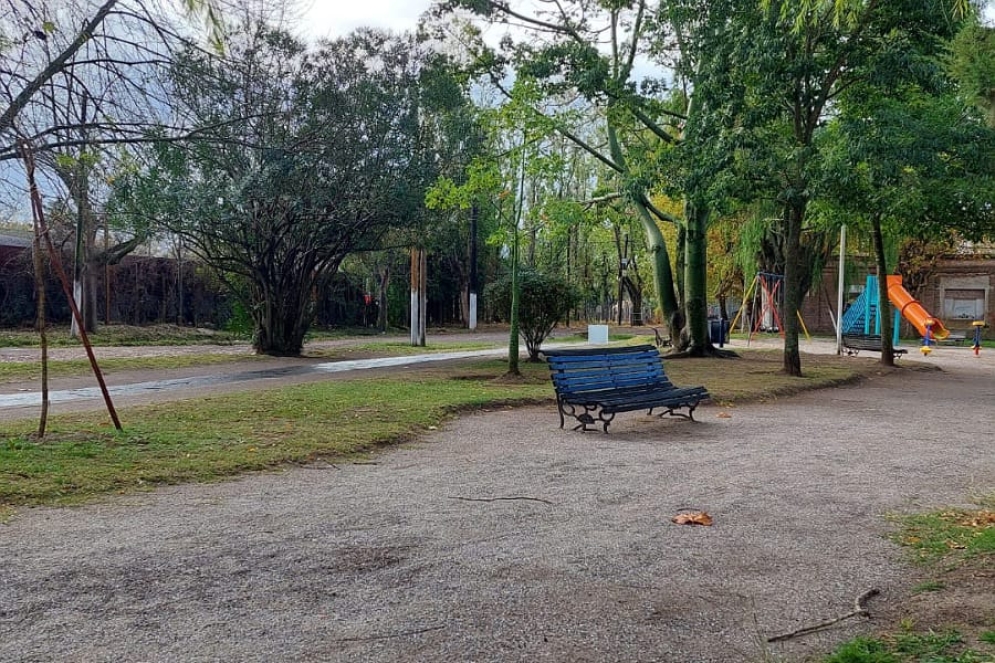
{"type": "Point", "coordinates": [422, 295]}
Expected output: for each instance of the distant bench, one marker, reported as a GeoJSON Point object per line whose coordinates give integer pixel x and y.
{"type": "Point", "coordinates": [606, 381]}
{"type": "Point", "coordinates": [854, 343]}
{"type": "Point", "coordinates": [956, 339]}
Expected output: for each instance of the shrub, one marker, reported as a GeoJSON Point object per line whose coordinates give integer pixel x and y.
{"type": "Point", "coordinates": [544, 301]}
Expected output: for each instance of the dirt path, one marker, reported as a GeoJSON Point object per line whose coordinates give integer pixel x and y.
{"type": "Point", "coordinates": [503, 538]}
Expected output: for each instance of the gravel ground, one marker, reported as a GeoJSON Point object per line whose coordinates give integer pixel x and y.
{"type": "Point", "coordinates": [502, 538]}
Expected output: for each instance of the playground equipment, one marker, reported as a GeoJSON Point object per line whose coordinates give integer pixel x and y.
{"type": "Point", "coordinates": [864, 315]}
{"type": "Point", "coordinates": [913, 311]}
{"type": "Point", "coordinates": [766, 293]}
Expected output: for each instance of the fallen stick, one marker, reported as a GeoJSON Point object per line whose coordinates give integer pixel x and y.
{"type": "Point", "coordinates": [858, 611]}
{"type": "Point", "coordinates": [501, 499]}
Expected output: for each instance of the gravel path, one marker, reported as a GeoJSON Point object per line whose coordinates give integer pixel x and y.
{"type": "Point", "coordinates": [502, 538]}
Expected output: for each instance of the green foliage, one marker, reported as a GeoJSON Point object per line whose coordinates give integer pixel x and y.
{"type": "Point", "coordinates": [927, 647]}
{"type": "Point", "coordinates": [545, 300]}
{"type": "Point", "coordinates": [240, 323]}
{"type": "Point", "coordinates": [333, 157]}
{"type": "Point", "coordinates": [954, 533]}
{"type": "Point", "coordinates": [971, 60]}
{"type": "Point", "coordinates": [863, 650]}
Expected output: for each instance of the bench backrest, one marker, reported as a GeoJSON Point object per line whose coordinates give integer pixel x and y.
{"type": "Point", "coordinates": [595, 369]}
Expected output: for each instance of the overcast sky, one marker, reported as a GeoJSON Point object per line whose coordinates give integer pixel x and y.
{"type": "Point", "coordinates": [334, 18]}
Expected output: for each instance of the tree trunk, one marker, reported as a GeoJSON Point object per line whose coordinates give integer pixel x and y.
{"type": "Point", "coordinates": [792, 287]}
{"type": "Point", "coordinates": [90, 317]}
{"type": "Point", "coordinates": [696, 303]}
{"type": "Point", "coordinates": [663, 274]}
{"type": "Point", "coordinates": [383, 281]}
{"type": "Point", "coordinates": [884, 310]}
{"type": "Point", "coordinates": [636, 297]}
{"type": "Point", "coordinates": [281, 320]}
{"type": "Point", "coordinates": [42, 324]}
{"type": "Point", "coordinates": [513, 367]}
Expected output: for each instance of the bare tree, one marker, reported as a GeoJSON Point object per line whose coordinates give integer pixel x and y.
{"type": "Point", "coordinates": [77, 79]}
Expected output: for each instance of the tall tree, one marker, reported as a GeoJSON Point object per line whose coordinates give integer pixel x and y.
{"type": "Point", "coordinates": [904, 154]}
{"type": "Point", "coordinates": [790, 65]}
{"type": "Point", "coordinates": [330, 158]}
{"type": "Point", "coordinates": [971, 61]}
{"type": "Point", "coordinates": [583, 53]}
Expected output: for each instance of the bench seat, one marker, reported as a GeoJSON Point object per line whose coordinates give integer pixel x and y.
{"type": "Point", "coordinates": [605, 381]}
{"type": "Point", "coordinates": [854, 343]}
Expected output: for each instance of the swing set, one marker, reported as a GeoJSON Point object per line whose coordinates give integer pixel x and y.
{"type": "Point", "coordinates": [766, 296]}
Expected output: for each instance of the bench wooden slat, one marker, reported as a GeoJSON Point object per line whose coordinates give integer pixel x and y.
{"type": "Point", "coordinates": [607, 381]}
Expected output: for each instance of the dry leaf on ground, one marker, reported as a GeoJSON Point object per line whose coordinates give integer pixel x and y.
{"type": "Point", "coordinates": [699, 518]}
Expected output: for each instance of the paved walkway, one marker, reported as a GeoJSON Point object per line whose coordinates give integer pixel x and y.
{"type": "Point", "coordinates": [502, 538]}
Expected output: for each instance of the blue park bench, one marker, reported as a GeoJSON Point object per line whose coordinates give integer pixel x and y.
{"type": "Point", "coordinates": [854, 343]}
{"type": "Point", "coordinates": [606, 381]}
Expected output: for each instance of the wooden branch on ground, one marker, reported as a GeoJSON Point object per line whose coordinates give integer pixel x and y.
{"type": "Point", "coordinates": [502, 499]}
{"type": "Point", "coordinates": [858, 611]}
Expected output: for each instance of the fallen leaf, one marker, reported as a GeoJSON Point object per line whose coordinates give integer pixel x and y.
{"type": "Point", "coordinates": [699, 518]}
{"type": "Point", "coordinates": [724, 415]}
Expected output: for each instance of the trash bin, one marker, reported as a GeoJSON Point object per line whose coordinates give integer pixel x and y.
{"type": "Point", "coordinates": [718, 331]}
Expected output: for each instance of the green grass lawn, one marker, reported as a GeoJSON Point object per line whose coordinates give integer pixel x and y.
{"type": "Point", "coordinates": [120, 335]}
{"type": "Point", "coordinates": [28, 371]}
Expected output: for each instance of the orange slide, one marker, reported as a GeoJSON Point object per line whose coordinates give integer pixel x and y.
{"type": "Point", "coordinates": [913, 311]}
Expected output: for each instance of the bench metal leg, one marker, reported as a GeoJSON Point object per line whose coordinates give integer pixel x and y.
{"type": "Point", "coordinates": [674, 413]}
{"type": "Point", "coordinates": [583, 414]}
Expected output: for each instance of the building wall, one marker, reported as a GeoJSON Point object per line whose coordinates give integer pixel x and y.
{"type": "Point", "coordinates": [961, 292]}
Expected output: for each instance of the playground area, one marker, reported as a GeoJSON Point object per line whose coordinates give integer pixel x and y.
{"type": "Point", "coordinates": [502, 538]}
{"type": "Point", "coordinates": [861, 325]}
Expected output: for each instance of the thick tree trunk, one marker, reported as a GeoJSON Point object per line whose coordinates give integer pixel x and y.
{"type": "Point", "coordinates": [696, 303]}
{"type": "Point", "coordinates": [90, 317]}
{"type": "Point", "coordinates": [636, 297]}
{"type": "Point", "coordinates": [663, 275]}
{"type": "Point", "coordinates": [282, 320]}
